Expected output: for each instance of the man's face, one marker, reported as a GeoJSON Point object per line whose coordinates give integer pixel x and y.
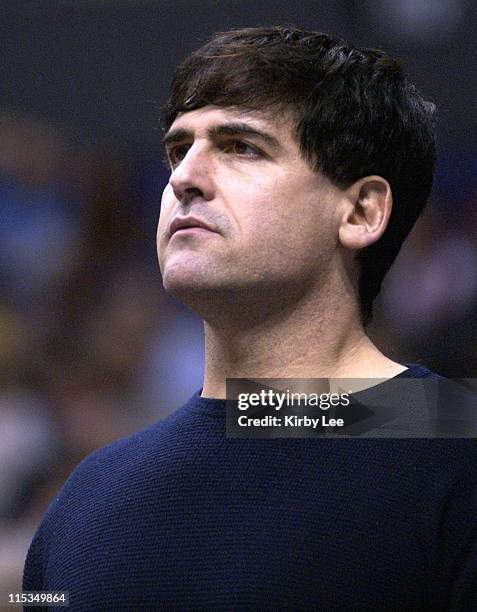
{"type": "Point", "coordinates": [272, 220]}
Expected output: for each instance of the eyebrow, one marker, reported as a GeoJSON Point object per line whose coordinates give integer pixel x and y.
{"type": "Point", "coordinates": [226, 129]}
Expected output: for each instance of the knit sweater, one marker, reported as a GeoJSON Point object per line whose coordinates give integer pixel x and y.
{"type": "Point", "coordinates": [180, 517]}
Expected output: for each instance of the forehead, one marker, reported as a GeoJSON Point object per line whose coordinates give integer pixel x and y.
{"type": "Point", "coordinates": [202, 119]}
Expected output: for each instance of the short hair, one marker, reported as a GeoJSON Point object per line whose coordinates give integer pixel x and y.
{"type": "Point", "coordinates": [354, 111]}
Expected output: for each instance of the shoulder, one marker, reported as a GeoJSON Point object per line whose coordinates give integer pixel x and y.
{"type": "Point", "coordinates": [110, 477]}
{"type": "Point", "coordinates": [448, 405]}
{"type": "Point", "coordinates": [122, 459]}
{"type": "Point", "coordinates": [452, 406]}
{"type": "Point", "coordinates": [417, 370]}
{"type": "Point", "coordinates": [121, 467]}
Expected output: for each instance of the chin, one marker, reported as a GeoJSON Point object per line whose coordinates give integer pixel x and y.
{"type": "Point", "coordinates": [184, 281]}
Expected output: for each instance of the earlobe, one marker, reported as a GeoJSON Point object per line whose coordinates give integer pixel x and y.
{"type": "Point", "coordinates": [369, 206]}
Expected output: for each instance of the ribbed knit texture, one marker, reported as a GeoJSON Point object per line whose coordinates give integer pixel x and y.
{"type": "Point", "coordinates": [179, 517]}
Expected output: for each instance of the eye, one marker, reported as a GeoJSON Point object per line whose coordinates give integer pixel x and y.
{"type": "Point", "coordinates": [177, 153]}
{"type": "Point", "coordinates": [239, 147]}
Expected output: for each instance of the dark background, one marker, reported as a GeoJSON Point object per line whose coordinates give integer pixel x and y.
{"type": "Point", "coordinates": [102, 68]}
{"type": "Point", "coordinates": [91, 349]}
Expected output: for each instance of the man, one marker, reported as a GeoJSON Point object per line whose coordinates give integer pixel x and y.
{"type": "Point", "coordinates": [298, 167]}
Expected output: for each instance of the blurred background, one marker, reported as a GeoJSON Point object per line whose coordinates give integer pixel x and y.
{"type": "Point", "coordinates": [91, 349]}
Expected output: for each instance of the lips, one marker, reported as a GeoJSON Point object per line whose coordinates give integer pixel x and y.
{"type": "Point", "coordinates": [179, 223]}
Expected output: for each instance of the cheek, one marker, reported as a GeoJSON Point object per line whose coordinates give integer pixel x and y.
{"type": "Point", "coordinates": [288, 227]}
{"type": "Point", "coordinates": [281, 212]}
{"type": "Point", "coordinates": [165, 210]}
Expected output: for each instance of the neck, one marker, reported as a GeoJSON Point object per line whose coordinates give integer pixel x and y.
{"type": "Point", "coordinates": [315, 338]}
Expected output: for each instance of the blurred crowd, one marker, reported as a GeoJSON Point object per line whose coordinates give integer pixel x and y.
{"type": "Point", "coordinates": [91, 348]}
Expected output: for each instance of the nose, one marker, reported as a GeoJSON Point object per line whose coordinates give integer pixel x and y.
{"type": "Point", "coordinates": [193, 175]}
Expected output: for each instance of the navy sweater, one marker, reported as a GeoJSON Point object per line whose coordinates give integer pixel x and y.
{"type": "Point", "coordinates": [179, 517]}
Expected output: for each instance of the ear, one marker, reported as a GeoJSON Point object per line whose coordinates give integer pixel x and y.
{"type": "Point", "coordinates": [368, 205]}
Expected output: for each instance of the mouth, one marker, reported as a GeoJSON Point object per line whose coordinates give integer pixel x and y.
{"type": "Point", "coordinates": [188, 225]}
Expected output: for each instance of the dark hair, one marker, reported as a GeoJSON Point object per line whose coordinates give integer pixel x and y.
{"type": "Point", "coordinates": [355, 114]}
